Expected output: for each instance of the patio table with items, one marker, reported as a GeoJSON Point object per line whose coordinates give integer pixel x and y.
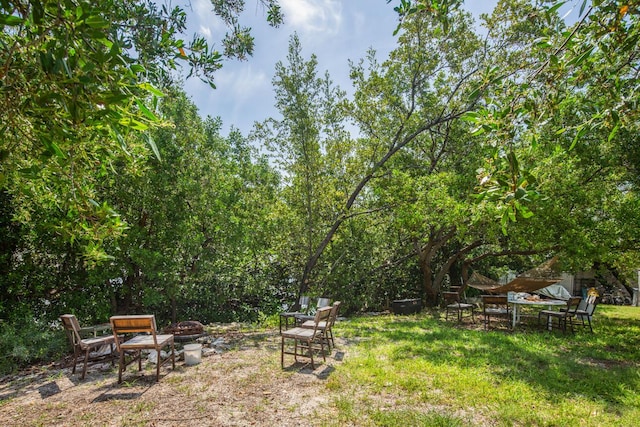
{"type": "Point", "coordinates": [518, 303]}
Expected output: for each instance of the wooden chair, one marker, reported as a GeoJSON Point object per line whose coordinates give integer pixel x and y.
{"type": "Point", "coordinates": [85, 345]}
{"type": "Point", "coordinates": [326, 327]}
{"type": "Point", "coordinates": [496, 306]}
{"type": "Point", "coordinates": [303, 304]}
{"type": "Point", "coordinates": [151, 340]}
{"type": "Point", "coordinates": [306, 339]}
{"type": "Point", "coordinates": [304, 317]}
{"type": "Point", "coordinates": [563, 316]}
{"type": "Point", "coordinates": [453, 304]}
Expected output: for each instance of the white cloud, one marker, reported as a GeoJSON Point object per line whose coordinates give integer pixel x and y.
{"type": "Point", "coordinates": [201, 7]}
{"type": "Point", "coordinates": [247, 81]}
{"type": "Point", "coordinates": [205, 31]}
{"type": "Point", "coordinates": [204, 21]}
{"type": "Point", "coordinates": [313, 15]}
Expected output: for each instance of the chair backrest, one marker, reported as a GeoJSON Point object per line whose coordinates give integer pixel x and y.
{"type": "Point", "coordinates": [498, 301]}
{"type": "Point", "coordinates": [451, 297]}
{"type": "Point", "coordinates": [572, 304]}
{"type": "Point", "coordinates": [333, 315]}
{"type": "Point", "coordinates": [141, 323]}
{"type": "Point", "coordinates": [494, 299]}
{"type": "Point", "coordinates": [72, 328]}
{"type": "Point", "coordinates": [322, 315]}
{"type": "Point", "coordinates": [590, 304]}
{"type": "Point", "coordinates": [323, 302]}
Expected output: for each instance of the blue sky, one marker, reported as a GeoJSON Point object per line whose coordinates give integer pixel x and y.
{"type": "Point", "coordinates": [336, 31]}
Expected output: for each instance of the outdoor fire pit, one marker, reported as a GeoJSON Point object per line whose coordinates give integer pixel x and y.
{"type": "Point", "coordinates": [188, 330]}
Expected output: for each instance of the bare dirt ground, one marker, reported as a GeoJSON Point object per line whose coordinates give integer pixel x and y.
{"type": "Point", "coordinates": [244, 386]}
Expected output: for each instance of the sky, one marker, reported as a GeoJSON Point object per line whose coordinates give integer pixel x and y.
{"type": "Point", "coordinates": [336, 31]}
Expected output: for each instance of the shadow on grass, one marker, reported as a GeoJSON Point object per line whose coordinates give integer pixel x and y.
{"type": "Point", "coordinates": [45, 382]}
{"type": "Point", "coordinates": [129, 390]}
{"type": "Point", "coordinates": [322, 371]}
{"type": "Point", "coordinates": [596, 366]}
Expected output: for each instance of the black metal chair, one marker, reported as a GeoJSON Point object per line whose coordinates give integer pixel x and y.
{"type": "Point", "coordinates": [495, 306]}
{"type": "Point", "coordinates": [455, 305]}
{"type": "Point", "coordinates": [563, 316]}
{"type": "Point", "coordinates": [585, 311]}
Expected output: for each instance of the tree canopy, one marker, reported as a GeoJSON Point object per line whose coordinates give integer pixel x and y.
{"type": "Point", "coordinates": [463, 150]}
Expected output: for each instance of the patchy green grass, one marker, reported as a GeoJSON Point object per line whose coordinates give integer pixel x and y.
{"type": "Point", "coordinates": [419, 370]}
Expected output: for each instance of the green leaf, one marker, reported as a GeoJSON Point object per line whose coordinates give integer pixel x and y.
{"type": "Point", "coordinates": [613, 132]}
{"type": "Point", "coordinates": [471, 116]}
{"type": "Point", "coordinates": [474, 95]}
{"type": "Point", "coordinates": [584, 4]}
{"type": "Point", "coordinates": [10, 20]}
{"type": "Point", "coordinates": [148, 113]}
{"type": "Point", "coordinates": [56, 150]}
{"type": "Point", "coordinates": [96, 21]}
{"type": "Point", "coordinates": [105, 42]}
{"type": "Point", "coordinates": [581, 58]}
{"type": "Point", "coordinates": [154, 147]}
{"type": "Point", "coordinates": [149, 88]}
{"type": "Point", "coordinates": [478, 130]}
{"type": "Point", "coordinates": [37, 12]}
{"type": "Point", "coordinates": [133, 124]}
{"type": "Point", "coordinates": [555, 7]}
{"type": "Point", "coordinates": [525, 212]}
{"type": "Point", "coordinates": [581, 132]}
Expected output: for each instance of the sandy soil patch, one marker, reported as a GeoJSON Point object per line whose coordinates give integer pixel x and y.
{"type": "Point", "coordinates": [244, 386]}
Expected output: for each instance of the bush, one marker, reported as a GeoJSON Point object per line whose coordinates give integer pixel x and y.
{"type": "Point", "coordinates": [27, 341]}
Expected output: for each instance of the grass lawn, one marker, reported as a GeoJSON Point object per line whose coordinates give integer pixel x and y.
{"type": "Point", "coordinates": [419, 370]}
{"type": "Point", "coordinates": [386, 371]}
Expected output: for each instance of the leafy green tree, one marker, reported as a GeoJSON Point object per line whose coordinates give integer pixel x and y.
{"type": "Point", "coordinates": [197, 220]}
{"type": "Point", "coordinates": [427, 83]}
{"type": "Point", "coordinates": [312, 148]}
{"type": "Point", "coordinates": [78, 82]}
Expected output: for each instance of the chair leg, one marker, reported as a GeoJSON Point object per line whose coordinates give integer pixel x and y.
{"type": "Point", "coordinates": [86, 362]}
{"type": "Point", "coordinates": [540, 315]}
{"type": "Point", "coordinates": [310, 346]}
{"type": "Point", "coordinates": [75, 360]}
{"type": "Point", "coordinates": [173, 355]}
{"type": "Point", "coordinates": [120, 365]}
{"type": "Point", "coordinates": [282, 353]}
{"type": "Point", "coordinates": [111, 355]}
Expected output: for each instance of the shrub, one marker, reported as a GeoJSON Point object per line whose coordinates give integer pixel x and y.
{"type": "Point", "coordinates": [26, 341]}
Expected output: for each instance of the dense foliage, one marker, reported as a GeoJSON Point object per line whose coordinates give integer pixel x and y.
{"type": "Point", "coordinates": [475, 150]}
